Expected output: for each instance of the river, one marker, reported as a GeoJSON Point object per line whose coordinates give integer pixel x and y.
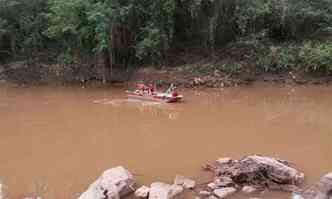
{"type": "Point", "coordinates": [61, 138]}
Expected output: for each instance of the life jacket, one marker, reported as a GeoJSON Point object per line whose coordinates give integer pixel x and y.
{"type": "Point", "coordinates": [174, 93]}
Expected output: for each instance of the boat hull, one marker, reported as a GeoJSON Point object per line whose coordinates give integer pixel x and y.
{"type": "Point", "coordinates": [155, 98]}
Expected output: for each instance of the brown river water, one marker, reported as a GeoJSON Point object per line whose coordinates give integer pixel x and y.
{"type": "Point", "coordinates": [62, 138]}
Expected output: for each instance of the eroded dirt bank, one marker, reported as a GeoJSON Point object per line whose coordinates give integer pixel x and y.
{"type": "Point", "coordinates": [204, 74]}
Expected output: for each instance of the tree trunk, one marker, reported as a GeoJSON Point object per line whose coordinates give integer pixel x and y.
{"type": "Point", "coordinates": [13, 45]}
{"type": "Point", "coordinates": [107, 66]}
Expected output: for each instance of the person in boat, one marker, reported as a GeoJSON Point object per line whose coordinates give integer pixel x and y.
{"type": "Point", "coordinates": [172, 90]}
{"type": "Point", "coordinates": [145, 90]}
{"type": "Point", "coordinates": [151, 89]}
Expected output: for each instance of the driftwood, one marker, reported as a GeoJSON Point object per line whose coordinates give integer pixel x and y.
{"type": "Point", "coordinates": [259, 171]}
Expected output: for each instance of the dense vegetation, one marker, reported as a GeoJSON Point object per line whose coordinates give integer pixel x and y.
{"type": "Point", "coordinates": [282, 34]}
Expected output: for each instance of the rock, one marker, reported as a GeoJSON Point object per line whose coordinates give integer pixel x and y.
{"type": "Point", "coordinates": [224, 192]}
{"type": "Point", "coordinates": [2, 191]}
{"type": "Point", "coordinates": [282, 187]}
{"type": "Point", "coordinates": [176, 190]}
{"type": "Point", "coordinates": [198, 81]}
{"type": "Point", "coordinates": [161, 190]}
{"type": "Point", "coordinates": [322, 190]}
{"type": "Point", "coordinates": [114, 183]}
{"type": "Point", "coordinates": [204, 193]}
{"type": "Point", "coordinates": [142, 192]}
{"type": "Point", "coordinates": [224, 160]}
{"type": "Point", "coordinates": [261, 171]}
{"type": "Point", "coordinates": [224, 182]}
{"type": "Point", "coordinates": [212, 185]}
{"type": "Point", "coordinates": [296, 196]}
{"type": "Point", "coordinates": [184, 181]}
{"type": "Point", "coordinates": [32, 197]}
{"type": "Point", "coordinates": [249, 189]}
{"type": "Point", "coordinates": [325, 187]}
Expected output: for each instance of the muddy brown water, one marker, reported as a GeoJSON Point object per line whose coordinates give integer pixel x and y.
{"type": "Point", "coordinates": [61, 138]}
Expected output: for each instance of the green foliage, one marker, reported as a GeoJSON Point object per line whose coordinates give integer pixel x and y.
{"type": "Point", "coordinates": [22, 22]}
{"type": "Point", "coordinates": [278, 59]}
{"type": "Point", "coordinates": [145, 31]}
{"type": "Point", "coordinates": [316, 57]}
{"type": "Point", "coordinates": [313, 57]}
{"type": "Point", "coordinates": [96, 23]}
{"type": "Point", "coordinates": [157, 31]}
{"type": "Point", "coordinates": [232, 68]}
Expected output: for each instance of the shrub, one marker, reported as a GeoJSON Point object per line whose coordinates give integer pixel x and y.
{"type": "Point", "coordinates": [316, 57]}
{"type": "Point", "coordinates": [278, 59]}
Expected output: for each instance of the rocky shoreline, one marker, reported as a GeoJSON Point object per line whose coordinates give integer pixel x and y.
{"type": "Point", "coordinates": [251, 174]}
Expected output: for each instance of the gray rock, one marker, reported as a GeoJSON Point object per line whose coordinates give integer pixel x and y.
{"type": "Point", "coordinates": [212, 185]}
{"type": "Point", "coordinates": [224, 160]}
{"type": "Point", "coordinates": [159, 190]}
{"type": "Point", "coordinates": [184, 181]}
{"type": "Point", "coordinates": [249, 189]}
{"type": "Point", "coordinates": [296, 196]}
{"type": "Point", "coordinates": [176, 190]}
{"type": "Point", "coordinates": [142, 192]}
{"type": "Point", "coordinates": [322, 190]}
{"type": "Point", "coordinates": [32, 197]}
{"type": "Point", "coordinates": [114, 183]}
{"type": "Point", "coordinates": [204, 193]}
{"type": "Point", "coordinates": [2, 191]}
{"type": "Point", "coordinates": [263, 172]}
{"type": "Point", "coordinates": [224, 182]}
{"type": "Point", "coordinates": [224, 192]}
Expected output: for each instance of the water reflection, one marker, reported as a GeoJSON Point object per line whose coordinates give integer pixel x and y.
{"type": "Point", "coordinates": [156, 109]}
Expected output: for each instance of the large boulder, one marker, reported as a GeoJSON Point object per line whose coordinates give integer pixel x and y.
{"type": "Point", "coordinates": [159, 190]}
{"type": "Point", "coordinates": [322, 190]}
{"type": "Point", "coordinates": [114, 183]}
{"type": "Point", "coordinates": [260, 171]}
{"type": "Point", "coordinates": [185, 182]}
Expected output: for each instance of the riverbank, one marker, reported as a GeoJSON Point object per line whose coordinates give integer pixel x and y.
{"type": "Point", "coordinates": [209, 77]}
{"type": "Point", "coordinates": [239, 63]}
{"type": "Point", "coordinates": [250, 177]}
{"type": "Point", "coordinates": [199, 75]}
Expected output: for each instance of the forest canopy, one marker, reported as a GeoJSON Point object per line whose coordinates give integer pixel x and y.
{"type": "Point", "coordinates": [126, 32]}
